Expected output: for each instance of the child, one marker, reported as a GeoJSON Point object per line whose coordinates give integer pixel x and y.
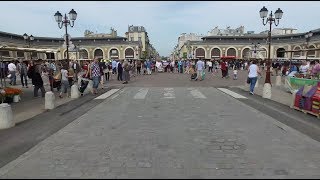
{"type": "Point", "coordinates": [235, 73]}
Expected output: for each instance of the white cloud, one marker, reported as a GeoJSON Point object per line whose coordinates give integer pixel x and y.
{"type": "Point", "coordinates": [164, 21]}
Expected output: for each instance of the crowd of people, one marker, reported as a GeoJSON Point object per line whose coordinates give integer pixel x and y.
{"type": "Point", "coordinates": [47, 75]}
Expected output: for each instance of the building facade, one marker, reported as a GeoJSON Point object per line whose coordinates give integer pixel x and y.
{"type": "Point", "coordinates": [286, 46]}
{"type": "Point", "coordinates": [139, 33]}
{"type": "Point", "coordinates": [106, 46]}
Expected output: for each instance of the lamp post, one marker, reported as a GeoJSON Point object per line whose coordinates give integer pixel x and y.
{"type": "Point", "coordinates": [65, 22]}
{"type": "Point", "coordinates": [308, 37]}
{"type": "Point", "coordinates": [271, 19]}
{"type": "Point", "coordinates": [28, 39]}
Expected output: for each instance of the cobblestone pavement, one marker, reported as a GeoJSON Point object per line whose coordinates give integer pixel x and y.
{"type": "Point", "coordinates": [171, 132]}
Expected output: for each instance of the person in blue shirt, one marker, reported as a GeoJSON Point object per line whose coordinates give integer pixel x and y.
{"type": "Point", "coordinates": [114, 66]}
{"type": "Point", "coordinates": [149, 67]}
{"type": "Point", "coordinates": [293, 70]}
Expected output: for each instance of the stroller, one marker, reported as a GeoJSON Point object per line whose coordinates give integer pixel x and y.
{"type": "Point", "coordinates": [194, 76]}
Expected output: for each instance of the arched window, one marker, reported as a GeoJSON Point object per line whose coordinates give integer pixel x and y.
{"type": "Point", "coordinates": [5, 53]}
{"type": "Point", "coordinates": [200, 53]}
{"type": "Point", "coordinates": [129, 53]}
{"type": "Point", "coordinates": [281, 52]}
{"type": "Point", "coordinates": [83, 54]}
{"type": "Point", "coordinates": [246, 53]}
{"type": "Point", "coordinates": [50, 56]}
{"type": "Point", "coordinates": [232, 52]}
{"type": "Point", "coordinates": [114, 53]}
{"type": "Point", "coordinates": [98, 53]}
{"type": "Point", "coordinates": [298, 53]}
{"type": "Point", "coordinates": [20, 54]}
{"type": "Point", "coordinates": [215, 52]}
{"type": "Point", "coordinates": [311, 53]}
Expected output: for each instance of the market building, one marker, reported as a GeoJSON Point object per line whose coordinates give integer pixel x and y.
{"type": "Point", "coordinates": [285, 44]}
{"type": "Point", "coordinates": [105, 46]}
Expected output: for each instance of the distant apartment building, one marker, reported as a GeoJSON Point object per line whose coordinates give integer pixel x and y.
{"type": "Point", "coordinates": [281, 31]}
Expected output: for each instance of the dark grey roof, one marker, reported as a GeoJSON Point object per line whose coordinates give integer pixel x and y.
{"type": "Point", "coordinates": [259, 35]}
{"type": "Point", "coordinates": [56, 38]}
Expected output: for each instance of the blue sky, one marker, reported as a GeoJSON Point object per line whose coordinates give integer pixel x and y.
{"type": "Point", "coordinates": [164, 20]}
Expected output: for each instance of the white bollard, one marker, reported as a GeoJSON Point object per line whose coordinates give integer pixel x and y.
{"type": "Point", "coordinates": [266, 91]}
{"type": "Point", "coordinates": [49, 100]}
{"type": "Point", "coordinates": [89, 87]}
{"type": "Point", "coordinates": [75, 92]}
{"type": "Point", "coordinates": [257, 83]}
{"type": "Point", "coordinates": [6, 116]}
{"type": "Point", "coordinates": [293, 98]}
{"type": "Point", "coordinates": [278, 81]}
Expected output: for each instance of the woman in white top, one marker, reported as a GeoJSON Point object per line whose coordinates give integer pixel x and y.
{"type": "Point", "coordinates": [64, 80]}
{"type": "Point", "coordinates": [253, 75]}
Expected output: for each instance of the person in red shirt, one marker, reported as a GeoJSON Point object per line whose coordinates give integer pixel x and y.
{"type": "Point", "coordinates": [223, 69]}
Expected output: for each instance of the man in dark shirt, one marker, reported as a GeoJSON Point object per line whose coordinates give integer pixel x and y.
{"type": "Point", "coordinates": [120, 70]}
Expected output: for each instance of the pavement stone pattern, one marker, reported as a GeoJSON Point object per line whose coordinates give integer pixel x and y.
{"type": "Point", "coordinates": [182, 137]}
{"type": "Point", "coordinates": [279, 94]}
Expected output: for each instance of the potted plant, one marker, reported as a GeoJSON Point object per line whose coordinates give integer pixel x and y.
{"type": "Point", "coordinates": [12, 95]}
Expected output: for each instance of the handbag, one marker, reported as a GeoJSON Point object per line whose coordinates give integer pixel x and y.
{"type": "Point", "coordinates": [9, 76]}
{"type": "Point", "coordinates": [248, 80]}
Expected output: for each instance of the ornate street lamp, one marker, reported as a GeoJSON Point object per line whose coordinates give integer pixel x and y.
{"type": "Point", "coordinates": [28, 39]}
{"type": "Point", "coordinates": [65, 22]}
{"type": "Point", "coordinates": [308, 37]}
{"type": "Point", "coordinates": [271, 19]}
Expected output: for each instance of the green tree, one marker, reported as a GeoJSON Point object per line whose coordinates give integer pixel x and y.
{"type": "Point", "coordinates": [185, 55]}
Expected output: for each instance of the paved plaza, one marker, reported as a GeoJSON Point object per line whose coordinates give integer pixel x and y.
{"type": "Point", "coordinates": [166, 126]}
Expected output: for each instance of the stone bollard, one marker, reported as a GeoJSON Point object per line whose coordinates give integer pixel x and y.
{"type": "Point", "coordinates": [278, 81]}
{"type": "Point", "coordinates": [49, 100]}
{"type": "Point", "coordinates": [293, 98]}
{"type": "Point", "coordinates": [6, 116]}
{"type": "Point", "coordinates": [75, 92]}
{"type": "Point", "coordinates": [266, 92]}
{"type": "Point", "coordinates": [89, 87]}
{"type": "Point", "coordinates": [257, 84]}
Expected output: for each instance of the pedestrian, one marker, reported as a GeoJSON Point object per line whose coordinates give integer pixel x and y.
{"type": "Point", "coordinates": [103, 67]}
{"type": "Point", "coordinates": [35, 71]}
{"type": "Point", "coordinates": [148, 67]}
{"type": "Point", "coordinates": [139, 67]}
{"type": "Point", "coordinates": [64, 80]}
{"type": "Point", "coordinates": [126, 70]}
{"type": "Point", "coordinates": [210, 65]}
{"type": "Point", "coordinates": [95, 74]}
{"type": "Point", "coordinates": [200, 67]}
{"type": "Point", "coordinates": [108, 71]}
{"type": "Point", "coordinates": [120, 71]}
{"type": "Point", "coordinates": [253, 73]}
{"type": "Point", "coordinates": [12, 73]}
{"type": "Point", "coordinates": [223, 69]}
{"type": "Point", "coordinates": [235, 72]}
{"type": "Point", "coordinates": [23, 69]}
{"type": "Point", "coordinates": [114, 66]}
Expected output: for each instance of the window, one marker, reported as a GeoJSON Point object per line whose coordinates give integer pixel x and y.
{"type": "Point", "coordinates": [139, 39]}
{"type": "Point", "coordinates": [131, 38]}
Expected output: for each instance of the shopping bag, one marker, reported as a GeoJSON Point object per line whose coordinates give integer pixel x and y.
{"type": "Point", "coordinates": [203, 75]}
